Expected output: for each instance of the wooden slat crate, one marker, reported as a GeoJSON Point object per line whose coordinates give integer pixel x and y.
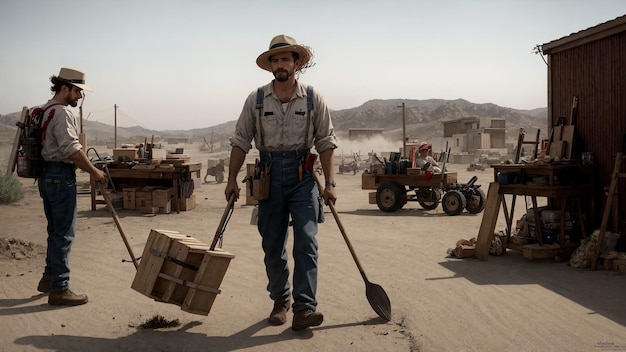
{"type": "Point", "coordinates": [180, 269]}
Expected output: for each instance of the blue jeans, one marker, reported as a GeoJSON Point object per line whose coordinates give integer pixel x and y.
{"type": "Point", "coordinates": [290, 196]}
{"type": "Point", "coordinates": [57, 188]}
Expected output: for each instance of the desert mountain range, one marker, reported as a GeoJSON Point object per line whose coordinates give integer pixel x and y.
{"type": "Point", "coordinates": [423, 121]}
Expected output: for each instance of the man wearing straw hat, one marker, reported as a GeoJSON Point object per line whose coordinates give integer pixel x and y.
{"type": "Point", "coordinates": [62, 153]}
{"type": "Point", "coordinates": [284, 128]}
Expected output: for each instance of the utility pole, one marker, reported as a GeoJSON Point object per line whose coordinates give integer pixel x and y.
{"type": "Point", "coordinates": [115, 127]}
{"type": "Point", "coordinates": [403, 130]}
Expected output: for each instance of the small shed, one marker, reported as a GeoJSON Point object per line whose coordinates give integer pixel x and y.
{"type": "Point", "coordinates": [591, 66]}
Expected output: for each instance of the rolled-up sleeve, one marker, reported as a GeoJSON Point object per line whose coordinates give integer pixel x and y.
{"type": "Point", "coordinates": [246, 125]}
{"type": "Point", "coordinates": [324, 131]}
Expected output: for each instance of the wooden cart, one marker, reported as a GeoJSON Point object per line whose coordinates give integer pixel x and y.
{"type": "Point", "coordinates": [394, 191]}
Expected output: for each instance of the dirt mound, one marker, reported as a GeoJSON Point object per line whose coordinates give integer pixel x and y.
{"type": "Point", "coordinates": [158, 321]}
{"type": "Point", "coordinates": [13, 248]}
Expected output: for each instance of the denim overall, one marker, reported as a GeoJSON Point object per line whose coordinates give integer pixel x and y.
{"type": "Point", "coordinates": [57, 188]}
{"type": "Point", "coordinates": [299, 198]}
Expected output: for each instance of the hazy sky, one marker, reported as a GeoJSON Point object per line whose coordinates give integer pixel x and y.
{"type": "Point", "coordinates": [190, 64]}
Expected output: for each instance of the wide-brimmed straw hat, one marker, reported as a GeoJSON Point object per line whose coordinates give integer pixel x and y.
{"type": "Point", "coordinates": [74, 77]}
{"type": "Point", "coordinates": [280, 44]}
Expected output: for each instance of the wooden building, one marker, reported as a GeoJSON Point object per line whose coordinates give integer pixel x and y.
{"type": "Point", "coordinates": [591, 65]}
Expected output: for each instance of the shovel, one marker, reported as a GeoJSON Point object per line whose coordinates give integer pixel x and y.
{"type": "Point", "coordinates": [107, 199]}
{"type": "Point", "coordinates": [375, 293]}
{"type": "Point", "coordinates": [219, 233]}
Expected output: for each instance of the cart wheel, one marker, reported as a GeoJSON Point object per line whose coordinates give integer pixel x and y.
{"type": "Point", "coordinates": [389, 197]}
{"type": "Point", "coordinates": [453, 202]}
{"type": "Point", "coordinates": [475, 201]}
{"type": "Point", "coordinates": [219, 178]}
{"type": "Point", "coordinates": [435, 195]}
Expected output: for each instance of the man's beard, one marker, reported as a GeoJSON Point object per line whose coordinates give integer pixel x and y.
{"type": "Point", "coordinates": [282, 75]}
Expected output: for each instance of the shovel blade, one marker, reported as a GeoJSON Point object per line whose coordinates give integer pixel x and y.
{"type": "Point", "coordinates": [378, 300]}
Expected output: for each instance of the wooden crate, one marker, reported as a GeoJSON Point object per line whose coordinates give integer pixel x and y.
{"type": "Point", "coordinates": [619, 265]}
{"type": "Point", "coordinates": [414, 172]}
{"type": "Point", "coordinates": [372, 197]}
{"type": "Point", "coordinates": [124, 154]}
{"type": "Point", "coordinates": [537, 251]}
{"type": "Point", "coordinates": [160, 197]}
{"type": "Point", "coordinates": [368, 181]}
{"type": "Point", "coordinates": [181, 270]}
{"type": "Point", "coordinates": [185, 204]}
{"type": "Point", "coordinates": [128, 196]}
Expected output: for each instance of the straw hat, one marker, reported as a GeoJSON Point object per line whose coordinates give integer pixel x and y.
{"type": "Point", "coordinates": [74, 77]}
{"type": "Point", "coordinates": [284, 43]}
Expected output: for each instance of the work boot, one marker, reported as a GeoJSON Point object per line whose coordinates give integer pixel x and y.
{"type": "Point", "coordinates": [279, 313]}
{"type": "Point", "coordinates": [305, 318]}
{"type": "Point", "coordinates": [44, 285]}
{"type": "Point", "coordinates": [66, 298]}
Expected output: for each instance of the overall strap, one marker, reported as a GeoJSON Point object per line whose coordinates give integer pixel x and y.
{"type": "Point", "coordinates": [309, 107]}
{"type": "Point", "coordinates": [44, 126]}
{"type": "Point", "coordinates": [259, 107]}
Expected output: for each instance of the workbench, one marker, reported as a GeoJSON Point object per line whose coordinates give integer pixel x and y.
{"type": "Point", "coordinates": [160, 175]}
{"type": "Point", "coordinates": [557, 182]}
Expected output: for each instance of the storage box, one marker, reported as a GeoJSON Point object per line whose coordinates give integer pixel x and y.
{"type": "Point", "coordinates": [610, 242]}
{"type": "Point", "coordinates": [464, 251]}
{"type": "Point", "coordinates": [368, 181]}
{"type": "Point", "coordinates": [166, 208]}
{"type": "Point", "coordinates": [414, 172]}
{"type": "Point", "coordinates": [160, 197]}
{"type": "Point", "coordinates": [124, 154]}
{"type": "Point", "coordinates": [619, 265]}
{"type": "Point", "coordinates": [372, 197]}
{"type": "Point", "coordinates": [377, 169]}
{"type": "Point", "coordinates": [181, 270]}
{"type": "Point", "coordinates": [128, 197]}
{"type": "Point", "coordinates": [187, 203]}
{"type": "Point", "coordinates": [537, 251]}
{"type": "Point", "coordinates": [149, 210]}
{"type": "Point", "coordinates": [143, 199]}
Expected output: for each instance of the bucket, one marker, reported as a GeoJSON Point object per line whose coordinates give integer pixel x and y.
{"type": "Point", "coordinates": [610, 241]}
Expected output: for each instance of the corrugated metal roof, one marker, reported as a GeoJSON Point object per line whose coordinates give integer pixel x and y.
{"type": "Point", "coordinates": [600, 31]}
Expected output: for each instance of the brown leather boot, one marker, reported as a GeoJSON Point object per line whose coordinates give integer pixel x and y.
{"type": "Point", "coordinates": [66, 298]}
{"type": "Point", "coordinates": [44, 285]}
{"type": "Point", "coordinates": [306, 318]}
{"type": "Point", "coordinates": [279, 313]}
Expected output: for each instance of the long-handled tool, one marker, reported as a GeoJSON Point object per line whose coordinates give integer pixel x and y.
{"type": "Point", "coordinates": [107, 199]}
{"type": "Point", "coordinates": [225, 217]}
{"type": "Point", "coordinates": [375, 293]}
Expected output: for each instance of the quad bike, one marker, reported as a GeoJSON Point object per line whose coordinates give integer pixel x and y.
{"type": "Point", "coordinates": [215, 168]}
{"type": "Point", "coordinates": [348, 167]}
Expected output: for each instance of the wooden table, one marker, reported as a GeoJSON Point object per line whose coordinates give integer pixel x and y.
{"type": "Point", "coordinates": [562, 182]}
{"type": "Point", "coordinates": [125, 177]}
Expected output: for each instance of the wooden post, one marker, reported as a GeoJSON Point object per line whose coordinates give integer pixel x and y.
{"type": "Point", "coordinates": [488, 223]}
{"type": "Point", "coordinates": [115, 123]}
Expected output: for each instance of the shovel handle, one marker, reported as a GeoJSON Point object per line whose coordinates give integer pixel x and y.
{"type": "Point", "coordinates": [107, 199]}
{"type": "Point", "coordinates": [224, 220]}
{"type": "Point", "coordinates": [331, 205]}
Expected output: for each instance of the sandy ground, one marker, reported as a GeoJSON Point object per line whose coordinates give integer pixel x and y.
{"type": "Point", "coordinates": [507, 303]}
